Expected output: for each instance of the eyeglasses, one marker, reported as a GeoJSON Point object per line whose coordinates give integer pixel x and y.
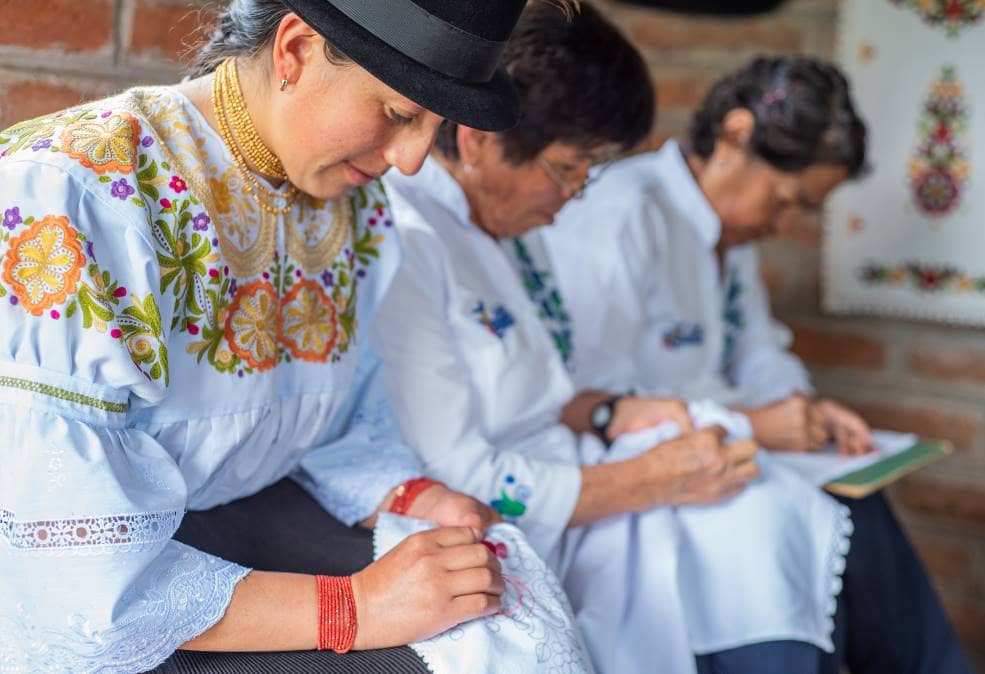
{"type": "Point", "coordinates": [564, 186]}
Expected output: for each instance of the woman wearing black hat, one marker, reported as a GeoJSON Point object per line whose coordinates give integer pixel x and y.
{"type": "Point", "coordinates": [187, 274]}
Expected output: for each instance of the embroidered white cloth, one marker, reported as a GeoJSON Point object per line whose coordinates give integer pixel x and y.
{"type": "Point", "coordinates": [478, 383]}
{"type": "Point", "coordinates": [907, 240]}
{"type": "Point", "coordinates": [729, 574]}
{"type": "Point", "coordinates": [534, 631]}
{"type": "Point", "coordinates": [165, 347]}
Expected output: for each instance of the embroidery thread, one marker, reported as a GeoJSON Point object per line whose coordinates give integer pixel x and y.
{"type": "Point", "coordinates": [497, 322]}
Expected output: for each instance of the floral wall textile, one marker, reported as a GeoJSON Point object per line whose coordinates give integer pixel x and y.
{"type": "Point", "coordinates": [909, 238]}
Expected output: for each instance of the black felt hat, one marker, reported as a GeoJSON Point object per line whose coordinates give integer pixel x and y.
{"type": "Point", "coordinates": [441, 54]}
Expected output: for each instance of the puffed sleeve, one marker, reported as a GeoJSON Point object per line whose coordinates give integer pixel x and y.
{"type": "Point", "coordinates": [90, 579]}
{"type": "Point", "coordinates": [760, 364]}
{"type": "Point", "coordinates": [351, 475]}
{"type": "Point", "coordinates": [436, 403]}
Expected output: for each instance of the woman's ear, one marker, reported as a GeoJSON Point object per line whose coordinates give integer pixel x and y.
{"type": "Point", "coordinates": [294, 46]}
{"type": "Point", "coordinates": [473, 145]}
{"type": "Point", "coordinates": [737, 127]}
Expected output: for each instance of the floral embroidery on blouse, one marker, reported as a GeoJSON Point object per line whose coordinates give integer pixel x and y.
{"type": "Point", "coordinates": [550, 306]}
{"type": "Point", "coordinates": [252, 327]}
{"type": "Point", "coordinates": [513, 505]}
{"type": "Point", "coordinates": [684, 334]}
{"type": "Point", "coordinates": [308, 324]}
{"type": "Point", "coordinates": [106, 144]}
{"type": "Point", "coordinates": [43, 264]}
{"type": "Point", "coordinates": [498, 321]}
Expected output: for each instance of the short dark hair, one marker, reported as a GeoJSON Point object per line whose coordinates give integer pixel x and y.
{"type": "Point", "coordinates": [803, 110]}
{"type": "Point", "coordinates": [245, 28]}
{"type": "Point", "coordinates": [579, 82]}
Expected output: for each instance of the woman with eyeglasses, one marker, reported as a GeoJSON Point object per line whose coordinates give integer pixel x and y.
{"type": "Point", "coordinates": [481, 390]}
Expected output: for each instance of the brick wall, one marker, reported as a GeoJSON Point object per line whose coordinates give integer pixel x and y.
{"type": "Point", "coordinates": [919, 377]}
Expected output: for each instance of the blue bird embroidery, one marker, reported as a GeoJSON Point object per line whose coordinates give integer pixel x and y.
{"type": "Point", "coordinates": [684, 334]}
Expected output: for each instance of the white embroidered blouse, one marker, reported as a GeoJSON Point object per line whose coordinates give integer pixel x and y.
{"type": "Point", "coordinates": [163, 347]}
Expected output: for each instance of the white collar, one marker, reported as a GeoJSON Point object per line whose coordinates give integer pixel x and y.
{"type": "Point", "coordinates": [436, 184]}
{"type": "Point", "coordinates": [685, 193]}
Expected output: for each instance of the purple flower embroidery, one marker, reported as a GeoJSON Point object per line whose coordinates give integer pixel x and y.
{"type": "Point", "coordinates": [233, 286]}
{"type": "Point", "coordinates": [201, 222]}
{"type": "Point", "coordinates": [327, 278]}
{"type": "Point", "coordinates": [147, 141]}
{"type": "Point", "coordinates": [90, 251]}
{"type": "Point", "coordinates": [121, 189]}
{"type": "Point", "coordinates": [12, 217]}
{"type": "Point", "coordinates": [41, 144]}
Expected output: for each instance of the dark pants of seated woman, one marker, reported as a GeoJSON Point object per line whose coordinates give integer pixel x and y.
{"type": "Point", "coordinates": [283, 529]}
{"type": "Point", "coordinates": [889, 619]}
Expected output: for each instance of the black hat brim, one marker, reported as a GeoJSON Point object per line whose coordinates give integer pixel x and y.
{"type": "Point", "coordinates": [488, 106]}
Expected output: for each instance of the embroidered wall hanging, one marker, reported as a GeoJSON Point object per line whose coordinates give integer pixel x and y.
{"type": "Point", "coordinates": [907, 239]}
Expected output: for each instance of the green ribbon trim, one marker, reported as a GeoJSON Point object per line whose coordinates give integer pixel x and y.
{"type": "Point", "coordinates": [62, 394]}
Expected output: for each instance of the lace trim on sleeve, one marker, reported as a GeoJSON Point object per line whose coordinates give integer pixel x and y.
{"type": "Point", "coordinates": [88, 535]}
{"type": "Point", "coordinates": [188, 594]}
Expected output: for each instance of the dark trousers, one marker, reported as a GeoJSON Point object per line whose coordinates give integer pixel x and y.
{"type": "Point", "coordinates": [283, 529]}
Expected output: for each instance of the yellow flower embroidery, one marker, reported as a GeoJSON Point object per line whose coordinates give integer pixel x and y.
{"type": "Point", "coordinates": [252, 327]}
{"type": "Point", "coordinates": [221, 195]}
{"type": "Point", "coordinates": [105, 144]}
{"type": "Point", "coordinates": [44, 263]}
{"type": "Point", "coordinates": [308, 324]}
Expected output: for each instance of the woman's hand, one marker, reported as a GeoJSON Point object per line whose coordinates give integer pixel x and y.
{"type": "Point", "coordinates": [846, 427]}
{"type": "Point", "coordinates": [427, 584]}
{"type": "Point", "coordinates": [699, 468]}
{"type": "Point", "coordinates": [633, 414]}
{"type": "Point", "coordinates": [795, 424]}
{"type": "Point", "coordinates": [449, 508]}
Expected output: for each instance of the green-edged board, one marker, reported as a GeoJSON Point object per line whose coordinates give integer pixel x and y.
{"type": "Point", "coordinates": [861, 483]}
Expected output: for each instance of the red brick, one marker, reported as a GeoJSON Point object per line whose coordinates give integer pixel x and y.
{"type": "Point", "coordinates": [936, 498]}
{"type": "Point", "coordinates": [963, 429]}
{"type": "Point", "coordinates": [838, 349]}
{"type": "Point", "coordinates": [28, 99]}
{"type": "Point", "coordinates": [949, 363]}
{"type": "Point", "coordinates": [74, 25]}
{"type": "Point", "coordinates": [680, 91]}
{"type": "Point", "coordinates": [664, 30]}
{"type": "Point", "coordinates": [169, 30]}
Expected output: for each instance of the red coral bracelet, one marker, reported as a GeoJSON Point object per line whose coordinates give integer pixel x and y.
{"type": "Point", "coordinates": [408, 491]}
{"type": "Point", "coordinates": [336, 614]}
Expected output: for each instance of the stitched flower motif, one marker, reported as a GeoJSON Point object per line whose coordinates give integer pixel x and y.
{"type": "Point", "coordinates": [251, 329]}
{"type": "Point", "coordinates": [178, 184]}
{"type": "Point", "coordinates": [12, 217]}
{"type": "Point", "coordinates": [121, 189]}
{"type": "Point", "coordinates": [105, 145]}
{"type": "Point", "coordinates": [308, 322]}
{"type": "Point", "coordinates": [44, 263]}
{"type": "Point", "coordinates": [200, 222]}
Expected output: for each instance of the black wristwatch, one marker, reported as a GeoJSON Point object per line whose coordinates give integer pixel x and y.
{"type": "Point", "coordinates": [602, 415]}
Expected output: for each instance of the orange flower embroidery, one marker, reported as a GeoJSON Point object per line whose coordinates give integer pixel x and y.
{"type": "Point", "coordinates": [44, 263]}
{"type": "Point", "coordinates": [308, 324]}
{"type": "Point", "coordinates": [105, 144]}
{"type": "Point", "coordinates": [251, 329]}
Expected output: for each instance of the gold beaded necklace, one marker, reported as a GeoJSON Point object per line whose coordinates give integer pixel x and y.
{"type": "Point", "coordinates": [240, 135]}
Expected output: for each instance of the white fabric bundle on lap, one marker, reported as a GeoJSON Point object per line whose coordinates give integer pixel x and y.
{"type": "Point", "coordinates": [762, 566]}
{"type": "Point", "coordinates": [534, 631]}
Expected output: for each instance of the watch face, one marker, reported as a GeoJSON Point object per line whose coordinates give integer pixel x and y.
{"type": "Point", "coordinates": [601, 415]}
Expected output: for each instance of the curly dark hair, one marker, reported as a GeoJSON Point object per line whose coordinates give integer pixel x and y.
{"type": "Point", "coordinates": [579, 81]}
{"type": "Point", "coordinates": [803, 110]}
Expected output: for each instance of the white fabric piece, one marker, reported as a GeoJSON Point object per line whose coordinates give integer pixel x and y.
{"type": "Point", "coordinates": [534, 631]}
{"type": "Point", "coordinates": [694, 559]}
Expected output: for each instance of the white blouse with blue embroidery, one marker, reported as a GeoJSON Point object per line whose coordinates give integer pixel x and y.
{"type": "Point", "coordinates": [165, 346]}
{"type": "Point", "coordinates": [650, 305]}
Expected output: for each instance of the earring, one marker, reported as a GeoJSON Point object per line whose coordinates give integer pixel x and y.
{"type": "Point", "coordinates": [468, 168]}
{"type": "Point", "coordinates": [283, 85]}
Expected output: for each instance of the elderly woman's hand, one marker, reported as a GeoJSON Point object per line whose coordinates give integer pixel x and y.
{"type": "Point", "coordinates": [450, 508]}
{"type": "Point", "coordinates": [427, 584]}
{"type": "Point", "coordinates": [699, 468]}
{"type": "Point", "coordinates": [794, 424]}
{"type": "Point", "coordinates": [848, 430]}
{"type": "Point", "coordinates": [634, 413]}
